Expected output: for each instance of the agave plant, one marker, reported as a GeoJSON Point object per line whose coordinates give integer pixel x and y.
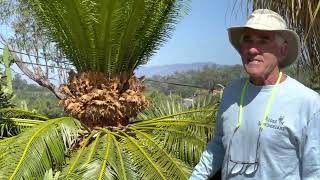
{"type": "Point", "coordinates": [111, 134]}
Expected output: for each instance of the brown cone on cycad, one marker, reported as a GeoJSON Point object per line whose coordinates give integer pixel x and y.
{"type": "Point", "coordinates": [100, 102]}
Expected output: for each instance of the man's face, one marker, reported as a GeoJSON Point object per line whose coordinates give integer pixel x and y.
{"type": "Point", "coordinates": [260, 53]}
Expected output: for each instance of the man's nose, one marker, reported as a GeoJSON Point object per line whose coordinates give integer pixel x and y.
{"type": "Point", "coordinates": [253, 50]}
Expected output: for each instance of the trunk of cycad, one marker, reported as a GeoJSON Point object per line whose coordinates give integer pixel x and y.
{"type": "Point", "coordinates": [100, 102]}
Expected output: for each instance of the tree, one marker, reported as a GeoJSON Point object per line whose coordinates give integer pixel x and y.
{"type": "Point", "coordinates": [30, 49]}
{"type": "Point", "coordinates": [106, 40]}
{"type": "Point", "coordinates": [5, 98]}
{"type": "Point", "coordinates": [5, 86]}
{"type": "Point", "coordinates": [35, 98]}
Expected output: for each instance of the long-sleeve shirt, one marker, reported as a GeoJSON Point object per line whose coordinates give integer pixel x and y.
{"type": "Point", "coordinates": [289, 145]}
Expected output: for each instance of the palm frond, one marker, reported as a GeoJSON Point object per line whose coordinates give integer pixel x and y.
{"type": "Point", "coordinates": [108, 36]}
{"type": "Point", "coordinates": [184, 131]}
{"type": "Point", "coordinates": [22, 114]}
{"type": "Point", "coordinates": [14, 126]}
{"type": "Point", "coordinates": [164, 146]}
{"type": "Point", "coordinates": [97, 166]}
{"type": "Point", "coordinates": [38, 149]}
{"type": "Point", "coordinates": [143, 158]}
{"type": "Point", "coordinates": [15, 121]}
{"type": "Point", "coordinates": [177, 168]}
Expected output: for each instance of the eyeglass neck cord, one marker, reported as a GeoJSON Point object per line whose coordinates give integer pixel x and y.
{"type": "Point", "coordinates": [266, 112]}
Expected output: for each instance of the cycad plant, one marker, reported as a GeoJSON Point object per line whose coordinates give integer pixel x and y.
{"type": "Point", "coordinates": [163, 142]}
{"type": "Point", "coordinates": [111, 135]}
{"type": "Point", "coordinates": [106, 41]}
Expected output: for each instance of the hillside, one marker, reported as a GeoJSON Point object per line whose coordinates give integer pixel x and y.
{"type": "Point", "coordinates": [166, 70]}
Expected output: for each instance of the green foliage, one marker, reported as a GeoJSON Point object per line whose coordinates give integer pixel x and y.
{"type": "Point", "coordinates": [14, 121]}
{"type": "Point", "coordinates": [5, 98]}
{"type": "Point", "coordinates": [37, 149]}
{"type": "Point", "coordinates": [35, 98]}
{"type": "Point", "coordinates": [163, 142]}
{"type": "Point", "coordinates": [207, 78]}
{"type": "Point", "coordinates": [109, 36]}
{"type": "Point", "coordinates": [113, 37]}
{"type": "Point", "coordinates": [7, 63]}
{"type": "Point", "coordinates": [6, 83]}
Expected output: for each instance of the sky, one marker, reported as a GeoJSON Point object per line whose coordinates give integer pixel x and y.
{"type": "Point", "coordinates": [201, 36]}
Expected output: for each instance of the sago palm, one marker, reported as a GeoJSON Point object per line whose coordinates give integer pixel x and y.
{"type": "Point", "coordinates": [109, 137]}
{"type": "Point", "coordinates": [106, 41]}
{"type": "Point", "coordinates": [163, 142]}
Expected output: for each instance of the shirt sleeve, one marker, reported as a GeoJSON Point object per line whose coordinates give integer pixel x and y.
{"type": "Point", "coordinates": [212, 158]}
{"type": "Point", "coordinates": [311, 152]}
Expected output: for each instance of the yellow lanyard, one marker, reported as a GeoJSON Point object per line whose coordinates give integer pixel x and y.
{"type": "Point", "coordinates": [266, 112]}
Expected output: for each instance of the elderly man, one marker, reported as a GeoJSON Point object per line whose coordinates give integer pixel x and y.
{"type": "Point", "coordinates": [268, 125]}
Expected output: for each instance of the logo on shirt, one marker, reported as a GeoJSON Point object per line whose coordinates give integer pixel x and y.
{"type": "Point", "coordinates": [277, 124]}
{"type": "Point", "coordinates": [280, 120]}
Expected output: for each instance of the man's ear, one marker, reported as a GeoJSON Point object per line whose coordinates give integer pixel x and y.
{"type": "Point", "coordinates": [284, 50]}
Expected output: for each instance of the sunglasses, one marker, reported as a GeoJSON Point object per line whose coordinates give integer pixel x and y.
{"type": "Point", "coordinates": [243, 167]}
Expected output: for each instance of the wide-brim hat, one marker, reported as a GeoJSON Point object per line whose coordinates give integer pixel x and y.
{"type": "Point", "coordinates": [267, 20]}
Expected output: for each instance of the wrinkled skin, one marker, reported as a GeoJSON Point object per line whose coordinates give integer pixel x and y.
{"type": "Point", "coordinates": [261, 55]}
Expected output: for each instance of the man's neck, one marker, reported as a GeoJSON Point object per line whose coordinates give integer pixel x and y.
{"type": "Point", "coordinates": [270, 80]}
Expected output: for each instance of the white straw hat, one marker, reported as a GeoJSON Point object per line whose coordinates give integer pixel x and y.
{"type": "Point", "coordinates": [267, 20]}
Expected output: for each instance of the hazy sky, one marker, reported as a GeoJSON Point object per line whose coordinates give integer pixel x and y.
{"type": "Point", "coordinates": [201, 36]}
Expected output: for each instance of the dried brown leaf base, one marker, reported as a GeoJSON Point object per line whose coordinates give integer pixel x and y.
{"type": "Point", "coordinates": [100, 102]}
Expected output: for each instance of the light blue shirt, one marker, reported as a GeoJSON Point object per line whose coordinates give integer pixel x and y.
{"type": "Point", "coordinates": [289, 143]}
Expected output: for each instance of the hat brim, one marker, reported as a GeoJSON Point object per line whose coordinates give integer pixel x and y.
{"type": "Point", "coordinates": [290, 36]}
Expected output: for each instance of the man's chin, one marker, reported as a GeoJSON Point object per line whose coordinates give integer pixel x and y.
{"type": "Point", "coordinates": [253, 72]}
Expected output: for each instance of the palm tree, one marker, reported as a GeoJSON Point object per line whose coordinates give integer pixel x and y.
{"type": "Point", "coordinates": [115, 133]}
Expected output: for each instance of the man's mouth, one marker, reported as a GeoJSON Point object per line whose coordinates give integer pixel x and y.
{"type": "Point", "coordinates": [253, 61]}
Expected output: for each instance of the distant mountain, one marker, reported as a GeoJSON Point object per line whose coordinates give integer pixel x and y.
{"type": "Point", "coordinates": [165, 70]}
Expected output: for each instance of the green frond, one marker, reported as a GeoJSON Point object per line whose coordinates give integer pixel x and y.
{"type": "Point", "coordinates": [83, 156]}
{"type": "Point", "coordinates": [13, 126]}
{"type": "Point", "coordinates": [49, 175]}
{"type": "Point", "coordinates": [120, 166]}
{"type": "Point", "coordinates": [160, 19]}
{"type": "Point", "coordinates": [147, 166]}
{"type": "Point", "coordinates": [77, 158]}
{"type": "Point", "coordinates": [186, 138]}
{"type": "Point", "coordinates": [184, 132]}
{"type": "Point", "coordinates": [22, 114]}
{"type": "Point", "coordinates": [38, 149]}
{"type": "Point", "coordinates": [100, 149]}
{"type": "Point", "coordinates": [133, 22]}
{"type": "Point", "coordinates": [109, 36]}
{"type": "Point", "coordinates": [15, 121]}
{"type": "Point", "coordinates": [105, 157]}
{"type": "Point", "coordinates": [175, 168]}
{"type": "Point", "coordinates": [118, 155]}
{"type": "Point", "coordinates": [164, 146]}
{"type": "Point", "coordinates": [92, 149]}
